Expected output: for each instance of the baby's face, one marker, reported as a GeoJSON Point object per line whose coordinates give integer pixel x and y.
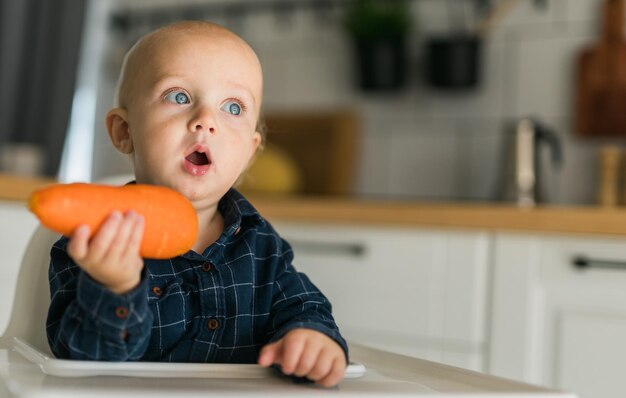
{"type": "Point", "coordinates": [193, 111]}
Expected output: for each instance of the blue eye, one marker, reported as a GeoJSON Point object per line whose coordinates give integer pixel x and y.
{"type": "Point", "coordinates": [232, 107]}
{"type": "Point", "coordinates": [177, 97]}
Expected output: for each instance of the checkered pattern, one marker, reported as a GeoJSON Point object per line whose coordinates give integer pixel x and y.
{"type": "Point", "coordinates": [219, 306]}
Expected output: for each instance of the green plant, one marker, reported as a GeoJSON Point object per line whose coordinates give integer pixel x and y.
{"type": "Point", "coordinates": [372, 19]}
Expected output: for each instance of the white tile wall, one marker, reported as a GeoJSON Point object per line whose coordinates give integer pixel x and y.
{"type": "Point", "coordinates": [582, 10]}
{"type": "Point", "coordinates": [431, 16]}
{"type": "Point", "coordinates": [309, 80]}
{"type": "Point", "coordinates": [374, 162]}
{"type": "Point", "coordinates": [526, 12]}
{"type": "Point", "coordinates": [419, 142]}
{"type": "Point", "coordinates": [546, 75]}
{"type": "Point", "coordinates": [483, 144]}
{"type": "Point", "coordinates": [423, 161]}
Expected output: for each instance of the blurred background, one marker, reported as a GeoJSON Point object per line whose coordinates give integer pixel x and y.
{"type": "Point", "coordinates": [423, 99]}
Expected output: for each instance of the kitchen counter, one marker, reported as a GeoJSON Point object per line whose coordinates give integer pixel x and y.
{"type": "Point", "coordinates": [17, 188]}
{"type": "Point", "coordinates": [490, 216]}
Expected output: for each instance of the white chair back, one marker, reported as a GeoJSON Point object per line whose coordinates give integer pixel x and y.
{"type": "Point", "coordinates": [32, 292]}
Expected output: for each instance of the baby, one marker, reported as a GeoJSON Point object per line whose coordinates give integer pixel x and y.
{"type": "Point", "coordinates": [188, 104]}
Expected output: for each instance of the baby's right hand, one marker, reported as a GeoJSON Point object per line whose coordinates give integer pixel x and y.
{"type": "Point", "coordinates": [111, 256]}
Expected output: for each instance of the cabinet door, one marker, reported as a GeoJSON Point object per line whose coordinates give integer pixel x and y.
{"type": "Point", "coordinates": [556, 324]}
{"type": "Point", "coordinates": [416, 292]}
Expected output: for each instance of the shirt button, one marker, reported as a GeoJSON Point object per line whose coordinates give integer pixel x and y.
{"type": "Point", "coordinates": [206, 267]}
{"type": "Point", "coordinates": [157, 291]}
{"type": "Point", "coordinates": [121, 312]}
{"type": "Point", "coordinates": [213, 324]}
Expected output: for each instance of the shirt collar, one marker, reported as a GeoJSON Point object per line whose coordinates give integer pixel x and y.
{"type": "Point", "coordinates": [237, 211]}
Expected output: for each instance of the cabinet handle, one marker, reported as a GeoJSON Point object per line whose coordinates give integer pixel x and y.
{"type": "Point", "coordinates": [582, 262]}
{"type": "Point", "coordinates": [328, 248]}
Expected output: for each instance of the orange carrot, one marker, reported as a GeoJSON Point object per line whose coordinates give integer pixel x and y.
{"type": "Point", "coordinates": [170, 223]}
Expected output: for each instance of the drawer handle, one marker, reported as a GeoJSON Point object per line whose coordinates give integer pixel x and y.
{"type": "Point", "coordinates": [582, 262]}
{"type": "Point", "coordinates": [328, 248]}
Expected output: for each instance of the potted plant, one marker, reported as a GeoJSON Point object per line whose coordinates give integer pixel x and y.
{"type": "Point", "coordinates": [379, 29]}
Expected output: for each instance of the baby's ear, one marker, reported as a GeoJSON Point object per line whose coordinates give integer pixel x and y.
{"type": "Point", "coordinates": [119, 131]}
{"type": "Point", "coordinates": [257, 143]}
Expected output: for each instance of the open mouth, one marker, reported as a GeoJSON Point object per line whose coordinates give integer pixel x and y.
{"type": "Point", "coordinates": [198, 158]}
{"type": "Point", "coordinates": [198, 161]}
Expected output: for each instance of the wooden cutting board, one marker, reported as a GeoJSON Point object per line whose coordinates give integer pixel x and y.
{"type": "Point", "coordinates": [601, 78]}
{"type": "Point", "coordinates": [324, 146]}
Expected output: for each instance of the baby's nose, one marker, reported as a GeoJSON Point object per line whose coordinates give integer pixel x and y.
{"type": "Point", "coordinates": [202, 121]}
{"type": "Point", "coordinates": [200, 127]}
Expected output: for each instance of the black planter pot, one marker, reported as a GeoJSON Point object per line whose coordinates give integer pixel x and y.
{"type": "Point", "coordinates": [453, 62]}
{"type": "Point", "coordinates": [381, 63]}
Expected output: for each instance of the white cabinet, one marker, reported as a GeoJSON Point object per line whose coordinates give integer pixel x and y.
{"type": "Point", "coordinates": [418, 292]}
{"type": "Point", "coordinates": [555, 324]}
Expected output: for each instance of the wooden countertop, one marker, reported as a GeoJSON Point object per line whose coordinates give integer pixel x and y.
{"type": "Point", "coordinates": [14, 187]}
{"type": "Point", "coordinates": [491, 216]}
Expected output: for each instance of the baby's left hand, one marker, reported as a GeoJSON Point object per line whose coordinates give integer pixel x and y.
{"type": "Point", "coordinates": [307, 353]}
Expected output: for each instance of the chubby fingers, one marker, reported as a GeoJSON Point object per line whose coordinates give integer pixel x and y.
{"type": "Point", "coordinates": [134, 243]}
{"type": "Point", "coordinates": [127, 240]}
{"type": "Point", "coordinates": [286, 352]}
{"type": "Point", "coordinates": [320, 363]}
{"type": "Point", "coordinates": [270, 354]}
{"type": "Point", "coordinates": [307, 353]}
{"type": "Point", "coordinates": [118, 237]}
{"type": "Point", "coordinates": [305, 359]}
{"type": "Point", "coordinates": [101, 241]}
{"type": "Point", "coordinates": [334, 375]}
{"type": "Point", "coordinates": [323, 366]}
{"type": "Point", "coordinates": [79, 243]}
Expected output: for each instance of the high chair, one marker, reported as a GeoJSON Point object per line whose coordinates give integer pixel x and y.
{"type": "Point", "coordinates": [32, 292]}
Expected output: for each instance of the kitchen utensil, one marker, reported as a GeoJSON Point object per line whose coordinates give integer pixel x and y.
{"type": "Point", "coordinates": [381, 63]}
{"type": "Point", "coordinates": [454, 61]}
{"type": "Point", "coordinates": [601, 79]}
{"type": "Point", "coordinates": [522, 176]}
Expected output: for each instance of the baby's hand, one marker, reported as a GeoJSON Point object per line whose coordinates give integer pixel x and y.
{"type": "Point", "coordinates": [111, 256]}
{"type": "Point", "coordinates": [307, 352]}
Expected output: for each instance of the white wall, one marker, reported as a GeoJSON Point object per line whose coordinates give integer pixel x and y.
{"type": "Point", "coordinates": [422, 143]}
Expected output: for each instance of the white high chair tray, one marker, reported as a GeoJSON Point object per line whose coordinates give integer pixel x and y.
{"type": "Point", "coordinates": [77, 368]}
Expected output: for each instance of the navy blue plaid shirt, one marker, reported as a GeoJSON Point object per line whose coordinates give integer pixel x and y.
{"type": "Point", "coordinates": [222, 305]}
